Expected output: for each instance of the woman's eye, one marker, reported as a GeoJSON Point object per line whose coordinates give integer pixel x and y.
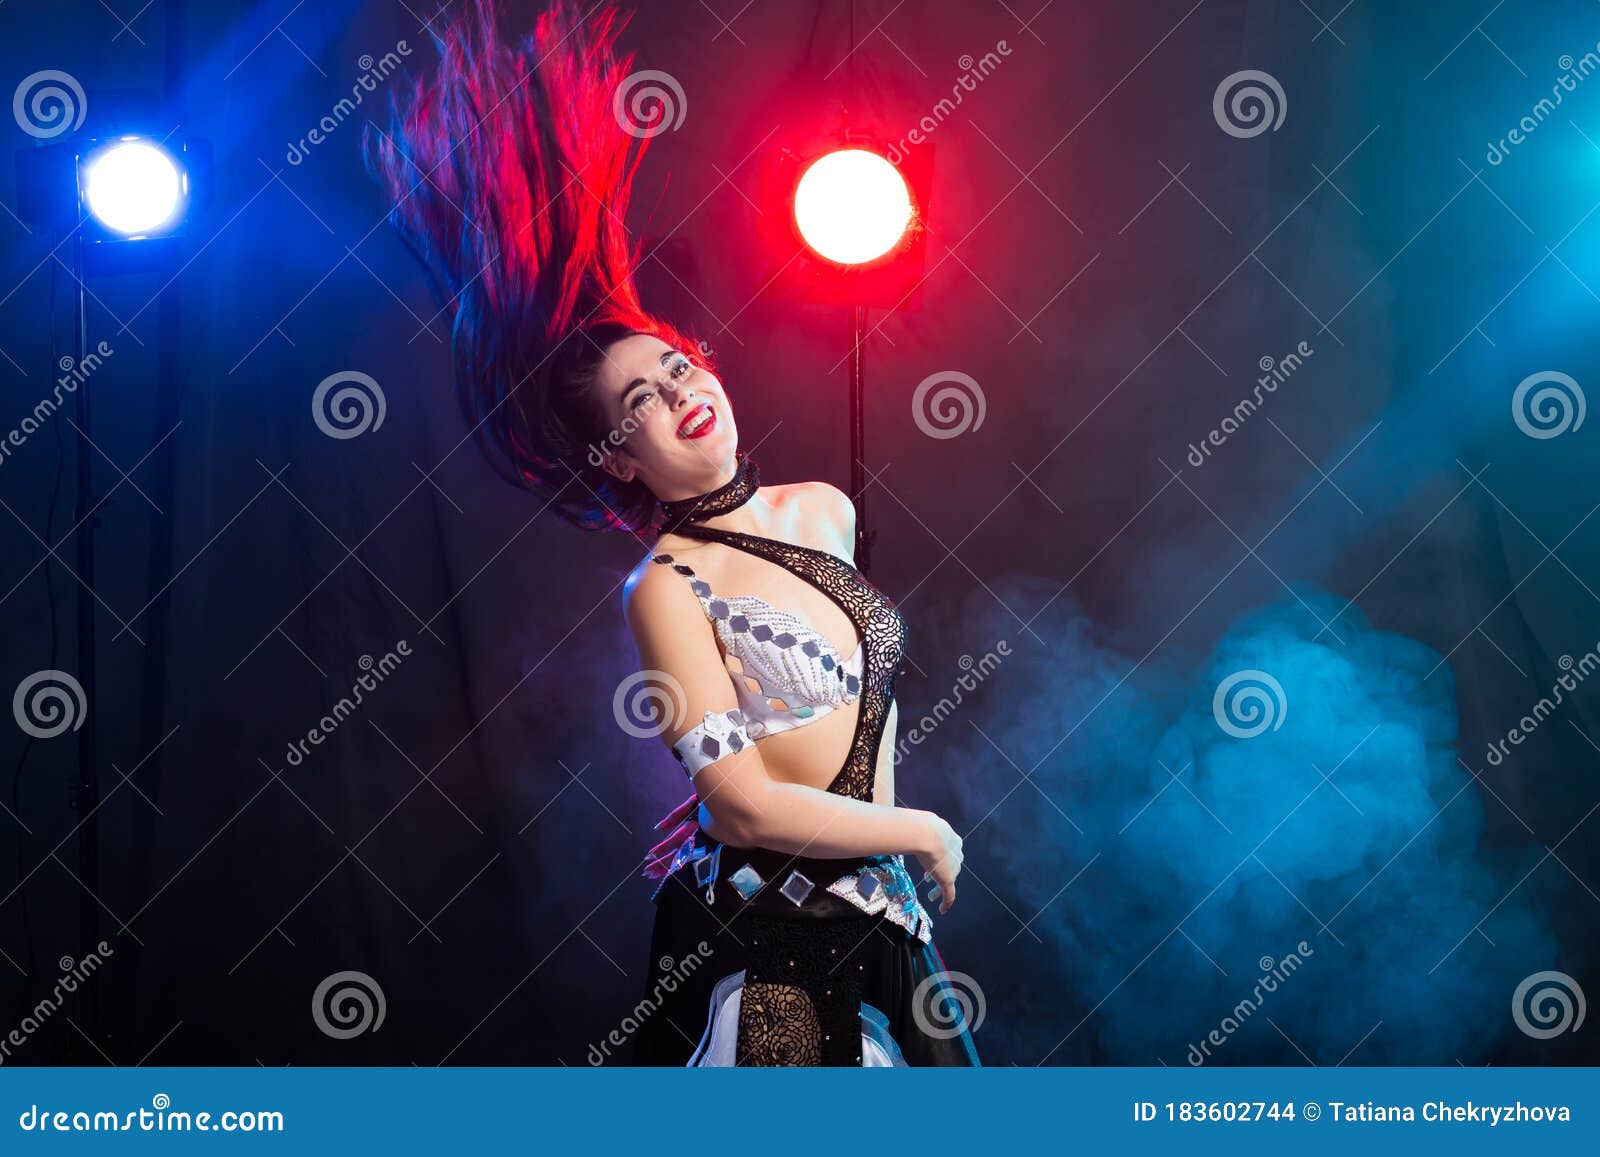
{"type": "Point", "coordinates": [641, 398]}
{"type": "Point", "coordinates": [680, 366]}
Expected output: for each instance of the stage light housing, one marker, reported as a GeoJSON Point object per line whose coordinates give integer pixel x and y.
{"type": "Point", "coordinates": [852, 206]}
{"type": "Point", "coordinates": [855, 226]}
{"type": "Point", "coordinates": [133, 188]}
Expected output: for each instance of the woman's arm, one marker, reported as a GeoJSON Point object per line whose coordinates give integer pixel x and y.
{"type": "Point", "coordinates": [740, 803]}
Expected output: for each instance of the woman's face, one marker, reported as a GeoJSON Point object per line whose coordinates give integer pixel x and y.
{"type": "Point", "coordinates": [668, 420]}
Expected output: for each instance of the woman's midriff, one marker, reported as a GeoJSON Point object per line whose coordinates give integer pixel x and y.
{"type": "Point", "coordinates": [811, 755]}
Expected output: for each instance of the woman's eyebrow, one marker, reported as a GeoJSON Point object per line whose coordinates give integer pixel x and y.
{"type": "Point", "coordinates": [637, 382]}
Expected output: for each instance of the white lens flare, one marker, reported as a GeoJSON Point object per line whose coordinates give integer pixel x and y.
{"type": "Point", "coordinates": [133, 188]}
{"type": "Point", "coordinates": [852, 206]}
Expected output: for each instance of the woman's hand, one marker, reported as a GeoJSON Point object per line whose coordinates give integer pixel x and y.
{"type": "Point", "coordinates": [942, 858]}
{"type": "Point", "coordinates": [683, 822]}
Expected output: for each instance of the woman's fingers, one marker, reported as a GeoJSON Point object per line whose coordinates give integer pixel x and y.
{"type": "Point", "coordinates": [944, 878]}
{"type": "Point", "coordinates": [658, 860]}
{"type": "Point", "coordinates": [671, 843]}
{"type": "Point", "coordinates": [680, 813]}
{"type": "Point", "coordinates": [655, 853]}
{"type": "Point", "coordinates": [658, 866]}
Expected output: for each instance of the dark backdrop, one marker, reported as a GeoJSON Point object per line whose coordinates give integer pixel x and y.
{"type": "Point", "coordinates": [1111, 269]}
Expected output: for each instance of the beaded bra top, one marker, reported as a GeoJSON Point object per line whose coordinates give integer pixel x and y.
{"type": "Point", "coordinates": [791, 674]}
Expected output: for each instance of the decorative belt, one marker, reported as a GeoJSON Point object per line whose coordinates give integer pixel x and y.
{"type": "Point", "coordinates": [876, 885]}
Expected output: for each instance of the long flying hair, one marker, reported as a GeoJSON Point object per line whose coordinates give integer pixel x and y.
{"type": "Point", "coordinates": [511, 176]}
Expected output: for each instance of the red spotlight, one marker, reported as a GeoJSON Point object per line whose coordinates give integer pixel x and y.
{"type": "Point", "coordinates": [852, 206]}
{"type": "Point", "coordinates": [851, 229]}
{"type": "Point", "coordinates": [857, 237]}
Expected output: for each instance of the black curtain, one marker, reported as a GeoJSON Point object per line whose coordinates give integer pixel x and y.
{"type": "Point", "coordinates": [1111, 268]}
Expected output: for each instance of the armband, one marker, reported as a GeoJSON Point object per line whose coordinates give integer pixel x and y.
{"type": "Point", "coordinates": [720, 733]}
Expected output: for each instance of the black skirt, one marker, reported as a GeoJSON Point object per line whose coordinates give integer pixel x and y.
{"type": "Point", "coordinates": [814, 980]}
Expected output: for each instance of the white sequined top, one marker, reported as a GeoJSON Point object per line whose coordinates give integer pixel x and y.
{"type": "Point", "coordinates": [789, 673]}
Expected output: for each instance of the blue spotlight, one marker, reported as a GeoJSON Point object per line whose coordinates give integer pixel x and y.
{"type": "Point", "coordinates": [133, 188]}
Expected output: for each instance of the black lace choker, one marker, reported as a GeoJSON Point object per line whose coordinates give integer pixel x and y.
{"type": "Point", "coordinates": [731, 495]}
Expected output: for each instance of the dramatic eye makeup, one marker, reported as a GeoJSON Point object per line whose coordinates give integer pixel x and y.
{"type": "Point", "coordinates": [678, 367]}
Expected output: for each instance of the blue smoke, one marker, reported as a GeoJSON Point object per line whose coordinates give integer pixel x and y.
{"type": "Point", "coordinates": [1305, 885]}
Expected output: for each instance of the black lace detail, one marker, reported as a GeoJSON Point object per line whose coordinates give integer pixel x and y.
{"type": "Point", "coordinates": [801, 1003]}
{"type": "Point", "coordinates": [882, 630]}
{"type": "Point", "coordinates": [778, 1026]}
{"type": "Point", "coordinates": [731, 495]}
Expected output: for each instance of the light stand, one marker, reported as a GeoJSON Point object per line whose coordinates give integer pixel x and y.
{"type": "Point", "coordinates": [87, 790]}
{"type": "Point", "coordinates": [125, 199]}
{"type": "Point", "coordinates": [858, 449]}
{"type": "Point", "coordinates": [852, 208]}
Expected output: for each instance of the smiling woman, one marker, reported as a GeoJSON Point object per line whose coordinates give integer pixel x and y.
{"type": "Point", "coordinates": [785, 875]}
{"type": "Point", "coordinates": [683, 433]}
{"type": "Point", "coordinates": [823, 953]}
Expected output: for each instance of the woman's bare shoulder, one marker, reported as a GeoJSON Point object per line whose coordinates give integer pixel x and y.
{"type": "Point", "coordinates": [819, 502]}
{"type": "Point", "coordinates": [649, 585]}
{"type": "Point", "coordinates": [832, 508]}
{"type": "Point", "coordinates": [809, 513]}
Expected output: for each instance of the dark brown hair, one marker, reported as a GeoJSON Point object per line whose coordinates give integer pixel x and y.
{"type": "Point", "coordinates": [511, 176]}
